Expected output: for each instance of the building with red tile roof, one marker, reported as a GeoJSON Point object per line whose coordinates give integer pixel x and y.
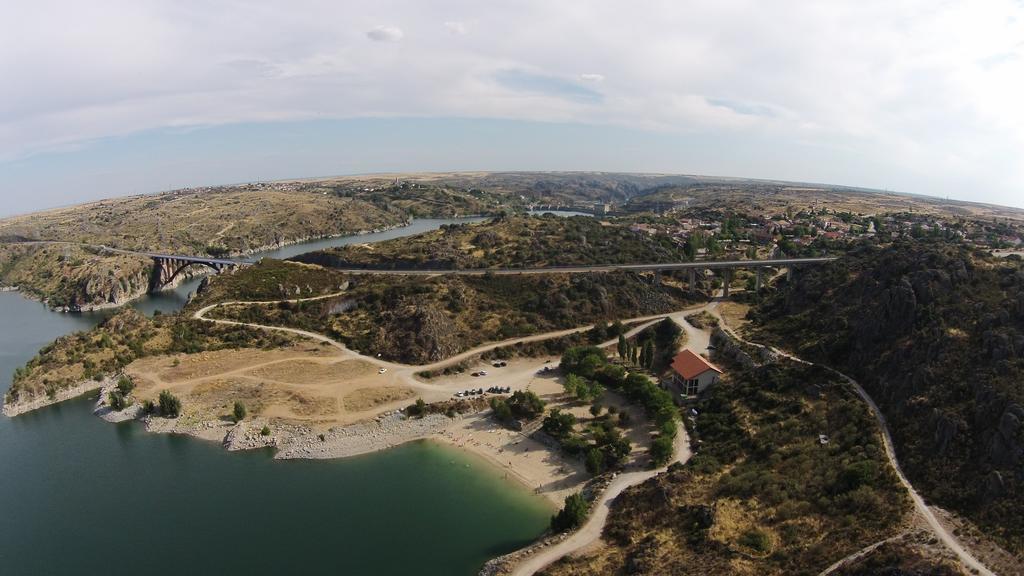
{"type": "Point", "coordinates": [691, 374]}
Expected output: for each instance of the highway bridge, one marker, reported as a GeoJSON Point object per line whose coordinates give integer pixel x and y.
{"type": "Point", "coordinates": [726, 266]}
{"type": "Point", "coordinates": [167, 267]}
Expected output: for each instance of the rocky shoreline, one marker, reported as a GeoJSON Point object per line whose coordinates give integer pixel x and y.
{"type": "Point", "coordinates": [381, 433]}
{"type": "Point", "coordinates": [21, 407]}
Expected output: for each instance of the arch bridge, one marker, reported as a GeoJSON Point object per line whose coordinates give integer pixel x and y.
{"type": "Point", "coordinates": [167, 267]}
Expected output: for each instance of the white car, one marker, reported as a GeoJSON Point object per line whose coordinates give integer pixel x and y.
{"type": "Point", "coordinates": [382, 370]}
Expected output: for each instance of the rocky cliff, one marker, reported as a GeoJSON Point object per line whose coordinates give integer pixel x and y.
{"type": "Point", "coordinates": [72, 277]}
{"type": "Point", "coordinates": [935, 332]}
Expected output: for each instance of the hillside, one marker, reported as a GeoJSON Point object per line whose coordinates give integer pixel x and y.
{"type": "Point", "coordinates": [935, 333]}
{"type": "Point", "coordinates": [86, 358]}
{"type": "Point", "coordinates": [73, 277]}
{"type": "Point", "coordinates": [761, 495]}
{"type": "Point", "coordinates": [420, 320]}
{"type": "Point", "coordinates": [759, 196]}
{"type": "Point", "coordinates": [222, 220]}
{"type": "Point", "coordinates": [508, 242]}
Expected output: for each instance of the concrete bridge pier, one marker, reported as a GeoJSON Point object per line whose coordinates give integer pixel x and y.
{"type": "Point", "coordinates": [726, 280]}
{"type": "Point", "coordinates": [758, 278]}
{"type": "Point", "coordinates": [692, 282]}
{"type": "Point", "coordinates": [789, 273]}
{"type": "Point", "coordinates": [167, 268]}
{"type": "Point", "coordinates": [657, 278]}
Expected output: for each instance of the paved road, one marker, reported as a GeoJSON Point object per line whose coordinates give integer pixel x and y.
{"type": "Point", "coordinates": [700, 265]}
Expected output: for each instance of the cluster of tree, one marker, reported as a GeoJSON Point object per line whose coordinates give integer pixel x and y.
{"type": "Point", "coordinates": [522, 405]}
{"type": "Point", "coordinates": [609, 450]}
{"type": "Point", "coordinates": [584, 390]}
{"type": "Point", "coordinates": [653, 347]}
{"type": "Point", "coordinates": [590, 363]}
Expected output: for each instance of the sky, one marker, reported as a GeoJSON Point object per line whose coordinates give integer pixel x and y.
{"type": "Point", "coordinates": [108, 98]}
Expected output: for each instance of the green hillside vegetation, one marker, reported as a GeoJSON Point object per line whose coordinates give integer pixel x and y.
{"type": "Point", "coordinates": [509, 242]}
{"type": "Point", "coordinates": [270, 279]}
{"type": "Point", "coordinates": [935, 333]}
{"type": "Point", "coordinates": [419, 320]}
{"type": "Point", "coordinates": [106, 349]}
{"type": "Point", "coordinates": [761, 495]}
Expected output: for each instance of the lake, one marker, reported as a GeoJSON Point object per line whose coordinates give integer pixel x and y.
{"type": "Point", "coordinates": [81, 496]}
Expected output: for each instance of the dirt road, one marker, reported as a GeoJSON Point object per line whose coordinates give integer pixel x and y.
{"type": "Point", "coordinates": [926, 513]}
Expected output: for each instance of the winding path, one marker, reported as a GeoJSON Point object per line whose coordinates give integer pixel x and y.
{"type": "Point", "coordinates": [926, 513]}
{"type": "Point", "coordinates": [590, 532]}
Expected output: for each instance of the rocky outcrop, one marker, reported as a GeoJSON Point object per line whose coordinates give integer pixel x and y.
{"type": "Point", "coordinates": [15, 407]}
{"type": "Point", "coordinates": [423, 332]}
{"type": "Point", "coordinates": [936, 335]}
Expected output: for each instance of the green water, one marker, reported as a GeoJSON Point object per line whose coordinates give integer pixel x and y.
{"type": "Point", "coordinates": [81, 496]}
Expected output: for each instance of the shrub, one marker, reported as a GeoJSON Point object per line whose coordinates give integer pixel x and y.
{"type": "Point", "coordinates": [170, 406]}
{"type": "Point", "coordinates": [418, 409]}
{"type": "Point", "coordinates": [757, 540]}
{"type": "Point", "coordinates": [117, 400]}
{"type": "Point", "coordinates": [265, 431]}
{"type": "Point", "coordinates": [572, 514]}
{"type": "Point", "coordinates": [125, 385]}
{"type": "Point", "coordinates": [239, 412]}
{"type": "Point", "coordinates": [661, 450]}
{"type": "Point", "coordinates": [148, 407]}
{"type": "Point", "coordinates": [595, 460]}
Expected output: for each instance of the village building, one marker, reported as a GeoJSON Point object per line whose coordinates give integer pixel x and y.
{"type": "Point", "coordinates": [690, 375]}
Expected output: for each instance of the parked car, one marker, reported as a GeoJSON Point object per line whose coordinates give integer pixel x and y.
{"type": "Point", "coordinates": [382, 370]}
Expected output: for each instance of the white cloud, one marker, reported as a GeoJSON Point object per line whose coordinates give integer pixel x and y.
{"type": "Point", "coordinates": [385, 34]}
{"type": "Point", "coordinates": [455, 27]}
{"type": "Point", "coordinates": [929, 92]}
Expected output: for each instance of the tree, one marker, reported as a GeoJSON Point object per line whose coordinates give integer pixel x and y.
{"type": "Point", "coordinates": [501, 410]}
{"type": "Point", "coordinates": [239, 412]}
{"type": "Point", "coordinates": [595, 461]}
{"type": "Point", "coordinates": [117, 400]}
{"type": "Point", "coordinates": [170, 406]}
{"type": "Point", "coordinates": [559, 424]}
{"type": "Point", "coordinates": [661, 450]}
{"type": "Point", "coordinates": [666, 333]}
{"type": "Point", "coordinates": [525, 404]}
{"type": "Point", "coordinates": [616, 329]}
{"type": "Point", "coordinates": [419, 408]}
{"type": "Point", "coordinates": [582, 360]}
{"type": "Point", "coordinates": [595, 409]}
{"type": "Point", "coordinates": [572, 514]}
{"type": "Point", "coordinates": [572, 383]}
{"type": "Point", "coordinates": [623, 346]}
{"type": "Point", "coordinates": [647, 355]}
